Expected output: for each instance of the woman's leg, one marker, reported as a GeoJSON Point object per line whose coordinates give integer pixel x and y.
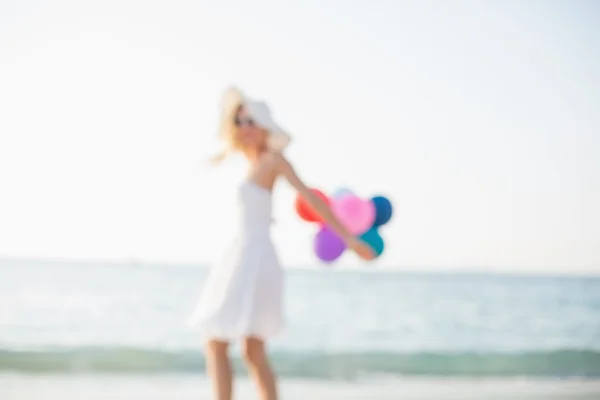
{"type": "Point", "coordinates": [258, 365]}
{"type": "Point", "coordinates": [219, 369]}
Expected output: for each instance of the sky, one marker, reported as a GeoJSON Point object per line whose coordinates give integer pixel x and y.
{"type": "Point", "coordinates": [478, 119]}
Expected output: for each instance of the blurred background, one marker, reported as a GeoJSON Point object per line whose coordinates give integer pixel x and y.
{"type": "Point", "coordinates": [478, 119]}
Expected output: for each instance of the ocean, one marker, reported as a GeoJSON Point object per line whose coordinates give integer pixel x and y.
{"type": "Point", "coordinates": [343, 324]}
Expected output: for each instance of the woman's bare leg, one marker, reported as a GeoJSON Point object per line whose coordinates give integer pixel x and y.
{"type": "Point", "coordinates": [219, 369]}
{"type": "Point", "coordinates": [258, 365]}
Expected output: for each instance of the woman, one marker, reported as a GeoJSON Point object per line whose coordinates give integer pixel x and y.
{"type": "Point", "coordinates": [242, 299]}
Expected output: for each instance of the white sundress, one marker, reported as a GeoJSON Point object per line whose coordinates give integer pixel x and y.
{"type": "Point", "coordinates": [243, 294]}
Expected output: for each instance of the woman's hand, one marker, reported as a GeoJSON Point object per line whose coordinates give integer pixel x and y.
{"type": "Point", "coordinates": [361, 249]}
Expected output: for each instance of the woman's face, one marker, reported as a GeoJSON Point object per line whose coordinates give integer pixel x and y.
{"type": "Point", "coordinates": [249, 134]}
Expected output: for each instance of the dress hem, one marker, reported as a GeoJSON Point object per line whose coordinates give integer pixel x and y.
{"type": "Point", "coordinates": [216, 334]}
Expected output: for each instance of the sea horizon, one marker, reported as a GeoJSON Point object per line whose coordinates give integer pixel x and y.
{"type": "Point", "coordinates": [316, 265]}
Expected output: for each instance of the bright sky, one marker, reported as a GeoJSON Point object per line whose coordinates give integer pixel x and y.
{"type": "Point", "coordinates": [479, 119]}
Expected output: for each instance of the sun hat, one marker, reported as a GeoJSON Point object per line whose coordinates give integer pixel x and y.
{"type": "Point", "coordinates": [259, 111]}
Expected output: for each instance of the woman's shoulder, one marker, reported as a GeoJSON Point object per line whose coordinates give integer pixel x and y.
{"type": "Point", "coordinates": [272, 158]}
{"type": "Point", "coordinates": [274, 162]}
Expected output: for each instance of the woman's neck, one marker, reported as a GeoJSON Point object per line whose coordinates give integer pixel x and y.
{"type": "Point", "coordinates": [254, 154]}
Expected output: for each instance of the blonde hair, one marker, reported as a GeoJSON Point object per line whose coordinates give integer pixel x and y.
{"type": "Point", "coordinates": [231, 102]}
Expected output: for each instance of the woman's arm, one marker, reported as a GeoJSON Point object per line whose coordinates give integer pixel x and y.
{"type": "Point", "coordinates": [284, 168]}
{"type": "Point", "coordinates": [287, 170]}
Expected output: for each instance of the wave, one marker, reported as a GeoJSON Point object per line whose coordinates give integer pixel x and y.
{"type": "Point", "coordinates": [124, 360]}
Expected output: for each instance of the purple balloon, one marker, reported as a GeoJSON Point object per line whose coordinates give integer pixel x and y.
{"type": "Point", "coordinates": [328, 246]}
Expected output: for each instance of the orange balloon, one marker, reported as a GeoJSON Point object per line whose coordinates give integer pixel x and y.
{"type": "Point", "coordinates": [305, 211]}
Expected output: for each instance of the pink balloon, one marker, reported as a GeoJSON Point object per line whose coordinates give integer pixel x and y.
{"type": "Point", "coordinates": [356, 214]}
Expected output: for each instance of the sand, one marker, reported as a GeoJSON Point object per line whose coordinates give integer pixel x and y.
{"type": "Point", "coordinates": [155, 387]}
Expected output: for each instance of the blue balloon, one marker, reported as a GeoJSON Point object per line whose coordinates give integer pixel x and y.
{"type": "Point", "coordinates": [341, 192]}
{"type": "Point", "coordinates": [383, 210]}
{"type": "Point", "coordinates": [373, 239]}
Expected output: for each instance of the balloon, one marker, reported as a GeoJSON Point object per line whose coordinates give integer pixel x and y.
{"type": "Point", "coordinates": [356, 214]}
{"type": "Point", "coordinates": [372, 238]}
{"type": "Point", "coordinates": [328, 246]}
{"type": "Point", "coordinates": [342, 192]}
{"type": "Point", "coordinates": [305, 211]}
{"type": "Point", "coordinates": [361, 217]}
{"type": "Point", "coordinates": [383, 210]}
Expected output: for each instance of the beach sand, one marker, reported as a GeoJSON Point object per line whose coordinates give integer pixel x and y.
{"type": "Point", "coordinates": [188, 387]}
